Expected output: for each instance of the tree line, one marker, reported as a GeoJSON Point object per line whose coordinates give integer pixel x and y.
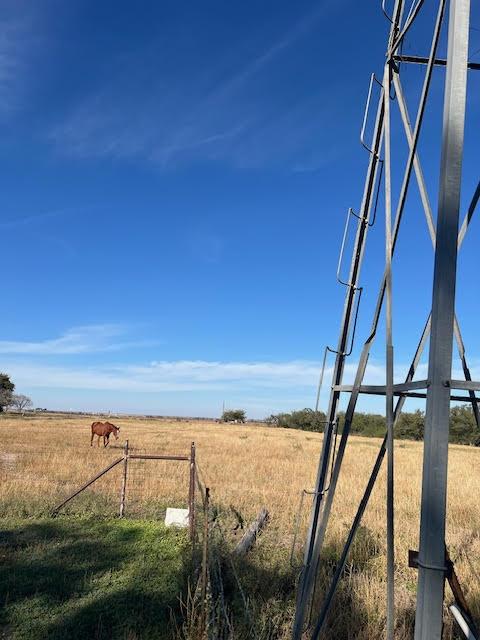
{"type": "Point", "coordinates": [409, 426]}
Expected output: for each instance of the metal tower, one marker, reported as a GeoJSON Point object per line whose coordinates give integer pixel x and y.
{"type": "Point", "coordinates": [442, 325]}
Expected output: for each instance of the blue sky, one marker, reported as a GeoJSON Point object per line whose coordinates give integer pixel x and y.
{"type": "Point", "coordinates": [175, 178]}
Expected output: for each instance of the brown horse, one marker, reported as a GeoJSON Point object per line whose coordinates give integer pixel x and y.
{"type": "Point", "coordinates": [103, 429]}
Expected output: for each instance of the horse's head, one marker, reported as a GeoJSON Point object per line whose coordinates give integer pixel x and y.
{"type": "Point", "coordinates": [113, 429]}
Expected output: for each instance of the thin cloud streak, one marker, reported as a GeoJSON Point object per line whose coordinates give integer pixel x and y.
{"type": "Point", "coordinates": [264, 386]}
{"type": "Point", "coordinates": [194, 122]}
{"type": "Point", "coordinates": [77, 340]}
{"type": "Point", "coordinates": [29, 220]}
{"type": "Point", "coordinates": [36, 219]}
{"type": "Point", "coordinates": [183, 375]}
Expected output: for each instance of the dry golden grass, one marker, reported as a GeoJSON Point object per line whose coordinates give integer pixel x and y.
{"type": "Point", "coordinates": [43, 458]}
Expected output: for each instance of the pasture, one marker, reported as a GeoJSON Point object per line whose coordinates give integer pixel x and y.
{"type": "Point", "coordinates": [44, 458]}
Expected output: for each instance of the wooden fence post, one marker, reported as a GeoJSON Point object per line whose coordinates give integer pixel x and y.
{"type": "Point", "coordinates": [250, 535]}
{"type": "Point", "coordinates": [124, 480]}
{"type": "Point", "coordinates": [191, 493]}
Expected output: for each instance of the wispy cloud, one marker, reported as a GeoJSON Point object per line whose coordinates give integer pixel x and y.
{"type": "Point", "coordinates": [190, 384]}
{"type": "Point", "coordinates": [77, 340]}
{"type": "Point", "coordinates": [172, 387]}
{"type": "Point", "coordinates": [33, 220]}
{"type": "Point", "coordinates": [159, 377]}
{"type": "Point", "coordinates": [182, 375]}
{"type": "Point", "coordinates": [27, 221]}
{"type": "Point", "coordinates": [172, 375]}
{"type": "Point", "coordinates": [224, 115]}
{"type": "Point", "coordinates": [260, 62]}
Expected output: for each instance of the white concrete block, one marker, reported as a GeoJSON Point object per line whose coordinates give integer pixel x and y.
{"type": "Point", "coordinates": [176, 517]}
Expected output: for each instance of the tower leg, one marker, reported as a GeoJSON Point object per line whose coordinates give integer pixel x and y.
{"type": "Point", "coordinates": [431, 578]}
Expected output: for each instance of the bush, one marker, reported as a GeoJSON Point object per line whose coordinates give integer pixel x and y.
{"type": "Point", "coordinates": [365, 424]}
{"type": "Point", "coordinates": [410, 426]}
{"type": "Point", "coordinates": [305, 419]}
{"type": "Point", "coordinates": [463, 428]}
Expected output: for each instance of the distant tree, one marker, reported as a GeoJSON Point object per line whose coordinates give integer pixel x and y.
{"type": "Point", "coordinates": [6, 399]}
{"type": "Point", "coordinates": [6, 391]}
{"type": "Point", "coordinates": [21, 402]}
{"type": "Point", "coordinates": [234, 415]}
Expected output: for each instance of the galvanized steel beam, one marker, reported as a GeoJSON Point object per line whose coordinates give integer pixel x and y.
{"type": "Point", "coordinates": [431, 562]}
{"type": "Point", "coordinates": [439, 62]}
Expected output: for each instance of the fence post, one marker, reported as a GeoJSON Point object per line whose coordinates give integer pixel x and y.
{"type": "Point", "coordinates": [191, 493]}
{"type": "Point", "coordinates": [124, 480]}
{"type": "Point", "coordinates": [205, 563]}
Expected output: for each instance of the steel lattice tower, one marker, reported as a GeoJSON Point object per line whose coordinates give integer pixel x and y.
{"type": "Point", "coordinates": [441, 327]}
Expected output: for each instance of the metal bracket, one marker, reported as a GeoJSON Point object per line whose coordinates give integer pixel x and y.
{"type": "Point", "coordinates": [389, 18]}
{"type": "Point", "coordinates": [374, 217]}
{"type": "Point", "coordinates": [320, 381]}
{"type": "Point", "coordinates": [349, 352]}
{"type": "Point", "coordinates": [364, 221]}
{"type": "Point", "coordinates": [342, 249]}
{"type": "Point", "coordinates": [303, 493]}
{"type": "Point", "coordinates": [373, 79]}
{"type": "Point", "coordinates": [415, 563]}
{"type": "Point", "coordinates": [355, 215]}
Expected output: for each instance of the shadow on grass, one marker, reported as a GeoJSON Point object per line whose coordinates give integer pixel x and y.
{"type": "Point", "coordinates": [270, 584]}
{"type": "Point", "coordinates": [120, 579]}
{"type": "Point", "coordinates": [90, 579]}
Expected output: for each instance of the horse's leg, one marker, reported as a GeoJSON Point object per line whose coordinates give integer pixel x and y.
{"type": "Point", "coordinates": [91, 439]}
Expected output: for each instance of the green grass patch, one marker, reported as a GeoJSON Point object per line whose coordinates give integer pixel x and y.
{"type": "Point", "coordinates": [84, 578]}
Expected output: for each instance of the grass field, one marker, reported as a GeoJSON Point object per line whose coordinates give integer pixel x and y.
{"type": "Point", "coordinates": [84, 579]}
{"type": "Point", "coordinates": [43, 458]}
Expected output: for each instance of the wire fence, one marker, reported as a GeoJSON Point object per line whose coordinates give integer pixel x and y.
{"type": "Point", "coordinates": [139, 483]}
